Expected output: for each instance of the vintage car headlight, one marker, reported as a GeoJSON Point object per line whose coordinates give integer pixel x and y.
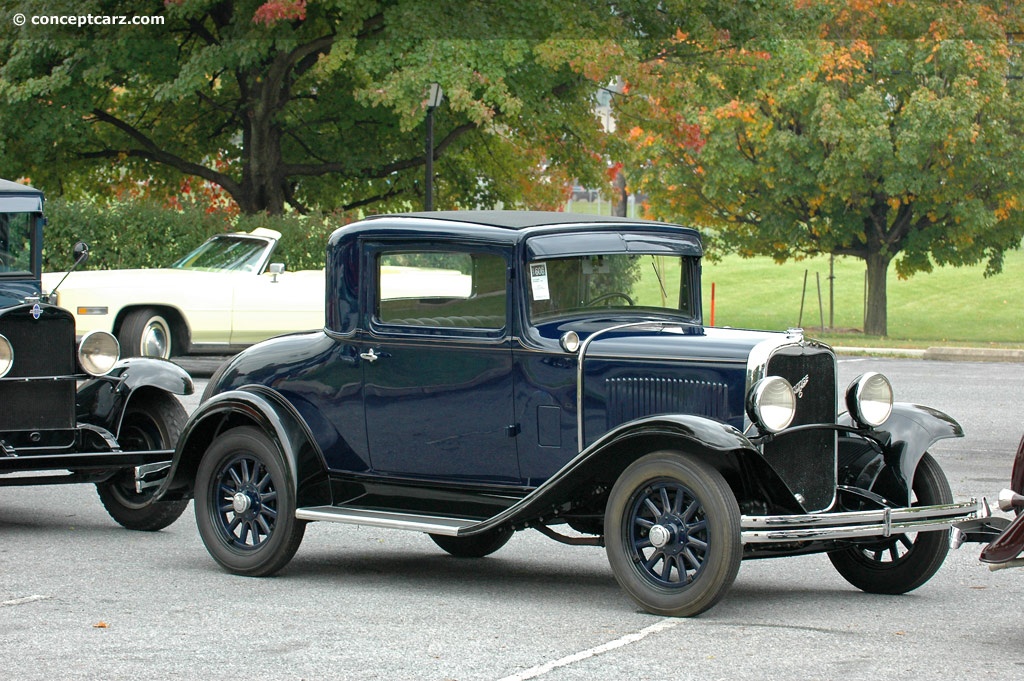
{"type": "Point", "coordinates": [98, 352]}
{"type": "Point", "coordinates": [771, 404]}
{"type": "Point", "coordinates": [869, 399]}
{"type": "Point", "coordinates": [570, 341]}
{"type": "Point", "coordinates": [6, 356]}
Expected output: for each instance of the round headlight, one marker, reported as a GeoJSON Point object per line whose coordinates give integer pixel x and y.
{"type": "Point", "coordinates": [6, 356]}
{"type": "Point", "coordinates": [98, 353]}
{"type": "Point", "coordinates": [771, 404]}
{"type": "Point", "coordinates": [869, 399]}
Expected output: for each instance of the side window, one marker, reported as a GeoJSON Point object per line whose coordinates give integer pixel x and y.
{"type": "Point", "coordinates": [441, 289]}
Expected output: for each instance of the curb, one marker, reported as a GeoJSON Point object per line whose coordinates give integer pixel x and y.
{"type": "Point", "coordinates": [974, 354]}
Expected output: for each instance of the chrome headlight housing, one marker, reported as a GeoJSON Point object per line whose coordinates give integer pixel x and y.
{"type": "Point", "coordinates": [869, 399]}
{"type": "Point", "coordinates": [6, 355]}
{"type": "Point", "coordinates": [771, 404]}
{"type": "Point", "coordinates": [98, 353]}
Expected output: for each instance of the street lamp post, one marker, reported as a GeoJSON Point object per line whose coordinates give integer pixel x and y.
{"type": "Point", "coordinates": [434, 97]}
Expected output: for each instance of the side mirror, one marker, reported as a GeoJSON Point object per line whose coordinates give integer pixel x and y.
{"type": "Point", "coordinates": [275, 269]}
{"type": "Point", "coordinates": [80, 253]}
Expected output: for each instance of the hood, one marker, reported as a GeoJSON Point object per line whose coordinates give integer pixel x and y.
{"type": "Point", "coordinates": [683, 342]}
{"type": "Point", "coordinates": [163, 277]}
{"type": "Point", "coordinates": [15, 292]}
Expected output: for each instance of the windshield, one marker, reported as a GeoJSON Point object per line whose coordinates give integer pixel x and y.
{"type": "Point", "coordinates": [564, 287]}
{"type": "Point", "coordinates": [16, 243]}
{"type": "Point", "coordinates": [229, 252]}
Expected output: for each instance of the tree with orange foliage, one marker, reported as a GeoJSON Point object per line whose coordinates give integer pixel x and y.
{"type": "Point", "coordinates": [893, 133]}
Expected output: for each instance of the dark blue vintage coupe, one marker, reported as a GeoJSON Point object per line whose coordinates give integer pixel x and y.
{"type": "Point", "coordinates": [481, 373]}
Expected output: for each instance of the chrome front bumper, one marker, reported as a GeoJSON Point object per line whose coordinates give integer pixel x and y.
{"type": "Point", "coordinates": [854, 524]}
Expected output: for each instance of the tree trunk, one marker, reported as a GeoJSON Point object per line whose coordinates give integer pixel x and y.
{"type": "Point", "coordinates": [876, 321]}
{"type": "Point", "coordinates": [620, 200]}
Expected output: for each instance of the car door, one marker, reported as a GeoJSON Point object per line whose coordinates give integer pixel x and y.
{"type": "Point", "coordinates": [437, 365]}
{"type": "Point", "coordinates": [270, 304]}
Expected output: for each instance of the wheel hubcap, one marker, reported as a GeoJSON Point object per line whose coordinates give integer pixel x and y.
{"type": "Point", "coordinates": [244, 503]}
{"type": "Point", "coordinates": [667, 534]}
{"type": "Point", "coordinates": [154, 342]}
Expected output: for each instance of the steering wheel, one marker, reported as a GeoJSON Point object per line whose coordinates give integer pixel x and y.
{"type": "Point", "coordinates": [609, 296]}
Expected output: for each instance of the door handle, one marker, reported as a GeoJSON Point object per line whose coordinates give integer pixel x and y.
{"type": "Point", "coordinates": [369, 355]}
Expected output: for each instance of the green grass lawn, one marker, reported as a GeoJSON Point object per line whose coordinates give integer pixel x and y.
{"type": "Point", "coordinates": [951, 305]}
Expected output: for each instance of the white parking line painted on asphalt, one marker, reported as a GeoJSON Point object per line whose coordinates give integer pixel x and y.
{"type": "Point", "coordinates": [26, 599]}
{"type": "Point", "coordinates": [543, 669]}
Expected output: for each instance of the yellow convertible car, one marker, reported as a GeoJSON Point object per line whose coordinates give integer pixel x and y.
{"type": "Point", "coordinates": [223, 296]}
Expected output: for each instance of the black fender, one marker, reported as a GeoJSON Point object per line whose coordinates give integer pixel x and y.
{"type": "Point", "coordinates": [888, 469]}
{"type": "Point", "coordinates": [102, 400]}
{"type": "Point", "coordinates": [600, 464]}
{"type": "Point", "coordinates": [264, 408]}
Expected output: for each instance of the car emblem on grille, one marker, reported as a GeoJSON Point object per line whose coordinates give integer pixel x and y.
{"type": "Point", "coordinates": [798, 389]}
{"type": "Point", "coordinates": [37, 311]}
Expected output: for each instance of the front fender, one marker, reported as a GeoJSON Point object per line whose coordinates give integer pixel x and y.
{"type": "Point", "coordinates": [258, 406]}
{"type": "Point", "coordinates": [101, 401]}
{"type": "Point", "coordinates": [600, 464]}
{"type": "Point", "coordinates": [912, 430]}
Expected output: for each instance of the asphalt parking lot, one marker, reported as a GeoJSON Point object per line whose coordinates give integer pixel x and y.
{"type": "Point", "coordinates": [81, 598]}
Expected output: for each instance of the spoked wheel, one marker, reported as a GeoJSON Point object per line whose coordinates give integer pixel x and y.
{"type": "Point", "coordinates": [672, 534]}
{"type": "Point", "coordinates": [245, 508]}
{"type": "Point", "coordinates": [151, 422]}
{"type": "Point", "coordinates": [474, 546]}
{"type": "Point", "coordinates": [902, 562]}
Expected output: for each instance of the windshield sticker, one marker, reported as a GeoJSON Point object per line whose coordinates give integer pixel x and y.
{"type": "Point", "coordinates": [539, 281]}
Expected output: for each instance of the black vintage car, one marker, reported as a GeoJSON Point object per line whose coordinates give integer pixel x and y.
{"type": "Point", "coordinates": [481, 373]}
{"type": "Point", "coordinates": [71, 412]}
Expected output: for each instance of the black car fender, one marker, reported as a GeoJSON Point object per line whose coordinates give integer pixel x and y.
{"type": "Point", "coordinates": [102, 400]}
{"type": "Point", "coordinates": [902, 441]}
{"type": "Point", "coordinates": [600, 464]}
{"type": "Point", "coordinates": [263, 408]}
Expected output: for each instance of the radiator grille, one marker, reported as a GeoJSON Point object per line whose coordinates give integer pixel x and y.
{"type": "Point", "coordinates": [807, 460]}
{"type": "Point", "coordinates": [43, 348]}
{"type": "Point", "coordinates": [633, 397]}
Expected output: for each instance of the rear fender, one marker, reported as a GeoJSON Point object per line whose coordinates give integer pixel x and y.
{"type": "Point", "coordinates": [258, 406]}
{"type": "Point", "coordinates": [912, 429]}
{"type": "Point", "coordinates": [101, 401]}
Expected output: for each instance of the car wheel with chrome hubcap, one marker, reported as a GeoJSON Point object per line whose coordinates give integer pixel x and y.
{"type": "Point", "coordinates": [245, 506]}
{"type": "Point", "coordinates": [672, 534]}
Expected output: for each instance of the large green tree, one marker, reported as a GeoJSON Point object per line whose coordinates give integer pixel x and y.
{"type": "Point", "coordinates": [894, 131]}
{"type": "Point", "coordinates": [321, 103]}
{"type": "Point", "coordinates": [288, 103]}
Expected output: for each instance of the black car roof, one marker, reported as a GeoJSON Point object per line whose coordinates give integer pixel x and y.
{"type": "Point", "coordinates": [8, 187]}
{"type": "Point", "coordinates": [514, 219]}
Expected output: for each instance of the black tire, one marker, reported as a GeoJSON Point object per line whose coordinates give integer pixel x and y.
{"type": "Point", "coordinates": [903, 562]}
{"type": "Point", "coordinates": [474, 546]}
{"type": "Point", "coordinates": [146, 333]}
{"type": "Point", "coordinates": [151, 421]}
{"type": "Point", "coordinates": [699, 549]}
{"type": "Point", "coordinates": [245, 505]}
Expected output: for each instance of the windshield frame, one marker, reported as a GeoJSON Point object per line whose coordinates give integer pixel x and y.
{"type": "Point", "coordinates": [30, 238]}
{"type": "Point", "coordinates": [254, 264]}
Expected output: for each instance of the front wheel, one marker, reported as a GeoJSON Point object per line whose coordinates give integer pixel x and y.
{"type": "Point", "coordinates": [151, 422]}
{"type": "Point", "coordinates": [902, 562]}
{"type": "Point", "coordinates": [245, 506]}
{"type": "Point", "coordinates": [672, 534]}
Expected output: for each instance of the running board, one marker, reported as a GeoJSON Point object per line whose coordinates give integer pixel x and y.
{"type": "Point", "coordinates": [389, 519]}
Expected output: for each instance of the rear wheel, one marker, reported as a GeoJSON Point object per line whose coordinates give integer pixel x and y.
{"type": "Point", "coordinates": [474, 546]}
{"type": "Point", "coordinates": [245, 506]}
{"type": "Point", "coordinates": [672, 534]}
{"type": "Point", "coordinates": [146, 333]}
{"type": "Point", "coordinates": [902, 562]}
{"type": "Point", "coordinates": [151, 421]}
